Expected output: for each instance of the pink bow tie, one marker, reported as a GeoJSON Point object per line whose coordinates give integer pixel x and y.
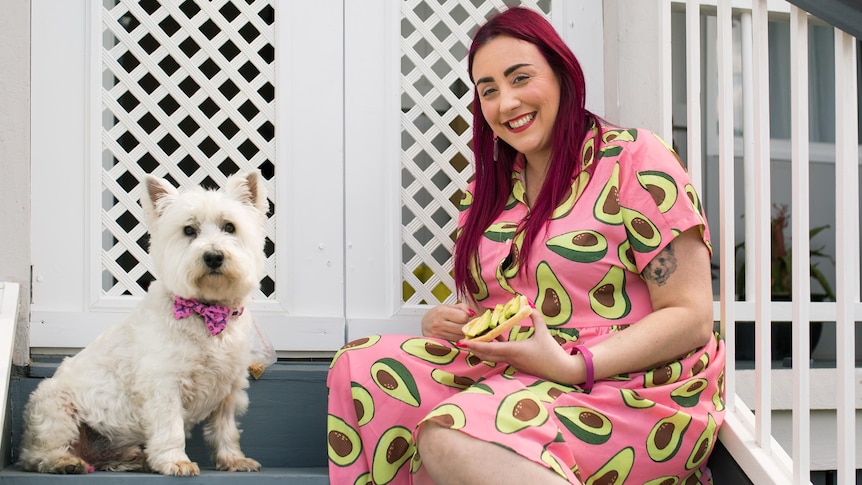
{"type": "Point", "coordinates": [215, 316]}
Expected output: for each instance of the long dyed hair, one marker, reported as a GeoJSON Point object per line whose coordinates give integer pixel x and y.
{"type": "Point", "coordinates": [493, 178]}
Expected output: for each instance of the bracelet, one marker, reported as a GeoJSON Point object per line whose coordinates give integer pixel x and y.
{"type": "Point", "coordinates": [588, 362]}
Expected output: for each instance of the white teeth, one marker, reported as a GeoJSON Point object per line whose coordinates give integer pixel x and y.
{"type": "Point", "coordinates": [522, 121]}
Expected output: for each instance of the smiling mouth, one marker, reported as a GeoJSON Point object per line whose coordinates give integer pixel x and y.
{"type": "Point", "coordinates": [518, 123]}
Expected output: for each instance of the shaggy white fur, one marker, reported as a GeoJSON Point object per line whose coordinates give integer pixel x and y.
{"type": "Point", "coordinates": [129, 399]}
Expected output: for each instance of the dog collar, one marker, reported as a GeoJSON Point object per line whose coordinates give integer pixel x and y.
{"type": "Point", "coordinates": [215, 316]}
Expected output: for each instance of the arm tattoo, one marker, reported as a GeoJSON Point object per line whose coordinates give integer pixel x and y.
{"type": "Point", "coordinates": [661, 267]}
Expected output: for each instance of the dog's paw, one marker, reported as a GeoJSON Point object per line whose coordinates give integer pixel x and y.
{"type": "Point", "coordinates": [68, 465]}
{"type": "Point", "coordinates": [182, 469]}
{"type": "Point", "coordinates": [241, 464]}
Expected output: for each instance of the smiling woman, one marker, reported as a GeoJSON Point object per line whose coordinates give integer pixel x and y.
{"type": "Point", "coordinates": [616, 376]}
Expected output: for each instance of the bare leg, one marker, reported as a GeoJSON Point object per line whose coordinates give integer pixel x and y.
{"type": "Point", "coordinates": [452, 457]}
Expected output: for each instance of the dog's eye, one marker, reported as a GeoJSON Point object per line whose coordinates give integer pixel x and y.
{"type": "Point", "coordinates": [189, 231]}
{"type": "Point", "coordinates": [228, 228]}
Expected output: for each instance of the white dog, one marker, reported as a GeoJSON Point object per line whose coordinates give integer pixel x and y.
{"type": "Point", "coordinates": [129, 400]}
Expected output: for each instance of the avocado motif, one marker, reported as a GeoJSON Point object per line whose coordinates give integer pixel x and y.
{"type": "Point", "coordinates": [693, 198]}
{"type": "Point", "coordinates": [620, 135]}
{"type": "Point", "coordinates": [466, 201]}
{"type": "Point", "coordinates": [700, 365]}
{"type": "Point", "coordinates": [616, 470]}
{"type": "Point", "coordinates": [693, 479]}
{"type": "Point", "coordinates": [355, 344]}
{"type": "Point", "coordinates": [447, 416]}
{"type": "Point", "coordinates": [395, 380]}
{"type": "Point", "coordinates": [703, 445]}
{"type": "Point", "coordinates": [666, 374]}
{"type": "Point", "coordinates": [661, 187]}
{"type": "Point", "coordinates": [584, 246]}
{"type": "Point", "coordinates": [642, 233]}
{"type": "Point", "coordinates": [430, 350]}
{"type": "Point", "coordinates": [608, 298]}
{"type": "Point", "coordinates": [552, 462]}
{"type": "Point", "coordinates": [588, 152]}
{"type": "Point", "coordinates": [688, 394]}
{"type": "Point", "coordinates": [548, 391]}
{"type": "Point", "coordinates": [393, 450]}
{"type": "Point", "coordinates": [473, 361]}
{"type": "Point", "coordinates": [563, 335]}
{"type": "Point", "coordinates": [589, 425]}
{"type": "Point", "coordinates": [669, 480]}
{"type": "Point", "coordinates": [501, 273]}
{"type": "Point", "coordinates": [501, 231]}
{"type": "Point", "coordinates": [344, 444]}
{"type": "Point", "coordinates": [451, 380]}
{"type": "Point", "coordinates": [552, 300]}
{"type": "Point", "coordinates": [627, 256]}
{"type": "Point", "coordinates": [610, 151]}
{"type": "Point", "coordinates": [666, 436]}
{"type": "Point", "coordinates": [475, 284]}
{"type": "Point", "coordinates": [607, 207]}
{"type": "Point", "coordinates": [520, 410]}
{"type": "Point", "coordinates": [363, 403]}
{"type": "Point", "coordinates": [364, 479]}
{"type": "Point", "coordinates": [634, 400]}
{"type": "Point", "coordinates": [717, 400]}
{"type": "Point", "coordinates": [579, 184]}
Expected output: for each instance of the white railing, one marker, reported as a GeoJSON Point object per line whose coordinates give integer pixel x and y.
{"type": "Point", "coordinates": [749, 433]}
{"type": "Point", "coordinates": [8, 319]}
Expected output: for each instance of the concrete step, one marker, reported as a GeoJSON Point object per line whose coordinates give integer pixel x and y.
{"type": "Point", "coordinates": [284, 429]}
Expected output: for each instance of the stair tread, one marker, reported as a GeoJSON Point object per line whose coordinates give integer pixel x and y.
{"type": "Point", "coordinates": [296, 475]}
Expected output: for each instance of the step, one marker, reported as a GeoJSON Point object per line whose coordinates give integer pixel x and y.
{"type": "Point", "coordinates": [284, 429]}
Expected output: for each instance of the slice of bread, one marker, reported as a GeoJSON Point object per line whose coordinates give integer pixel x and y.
{"type": "Point", "coordinates": [502, 318]}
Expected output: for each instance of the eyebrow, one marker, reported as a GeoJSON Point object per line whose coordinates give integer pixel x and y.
{"type": "Point", "coordinates": [506, 73]}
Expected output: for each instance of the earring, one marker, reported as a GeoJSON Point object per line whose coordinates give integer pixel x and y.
{"type": "Point", "coordinates": [496, 150]}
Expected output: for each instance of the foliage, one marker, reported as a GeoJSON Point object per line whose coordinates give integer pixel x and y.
{"type": "Point", "coordinates": [782, 257]}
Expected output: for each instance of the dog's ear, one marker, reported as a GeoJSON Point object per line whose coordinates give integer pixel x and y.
{"type": "Point", "coordinates": [248, 189]}
{"type": "Point", "coordinates": [158, 195]}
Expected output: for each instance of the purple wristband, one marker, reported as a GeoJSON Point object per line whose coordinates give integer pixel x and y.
{"type": "Point", "coordinates": [588, 362]}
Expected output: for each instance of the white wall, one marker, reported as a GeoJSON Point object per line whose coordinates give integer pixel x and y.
{"type": "Point", "coordinates": [15, 160]}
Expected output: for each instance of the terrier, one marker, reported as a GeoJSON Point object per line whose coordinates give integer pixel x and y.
{"type": "Point", "coordinates": [128, 401]}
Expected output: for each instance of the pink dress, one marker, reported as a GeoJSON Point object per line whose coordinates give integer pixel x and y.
{"type": "Point", "coordinates": [654, 427]}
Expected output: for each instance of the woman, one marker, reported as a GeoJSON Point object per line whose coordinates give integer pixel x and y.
{"type": "Point", "coordinates": [618, 376]}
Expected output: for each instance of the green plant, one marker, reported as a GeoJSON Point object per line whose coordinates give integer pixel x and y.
{"type": "Point", "coordinates": [782, 258]}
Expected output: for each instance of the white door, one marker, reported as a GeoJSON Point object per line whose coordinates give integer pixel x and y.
{"type": "Point", "coordinates": [357, 113]}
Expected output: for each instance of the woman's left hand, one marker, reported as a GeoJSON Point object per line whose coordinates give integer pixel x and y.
{"type": "Point", "coordinates": [539, 355]}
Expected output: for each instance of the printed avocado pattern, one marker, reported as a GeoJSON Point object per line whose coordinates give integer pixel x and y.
{"type": "Point", "coordinates": [466, 201]}
{"type": "Point", "coordinates": [584, 246]}
{"type": "Point", "coordinates": [392, 452]}
{"type": "Point", "coordinates": [616, 470]}
{"type": "Point", "coordinates": [363, 403]}
{"type": "Point", "coordinates": [666, 436]}
{"type": "Point", "coordinates": [450, 379]}
{"type": "Point", "coordinates": [344, 444]}
{"type": "Point", "coordinates": [475, 283]}
{"type": "Point", "coordinates": [643, 234]}
{"type": "Point", "coordinates": [395, 380]}
{"type": "Point", "coordinates": [501, 231]}
{"type": "Point", "coordinates": [608, 298]}
{"type": "Point", "coordinates": [430, 350]}
{"type": "Point", "coordinates": [364, 479]}
{"type": "Point", "coordinates": [579, 184]}
{"type": "Point", "coordinates": [688, 394]}
{"type": "Point", "coordinates": [607, 207]}
{"type": "Point", "coordinates": [552, 300]}
{"type": "Point", "coordinates": [627, 257]}
{"type": "Point", "coordinates": [520, 410]}
{"type": "Point", "coordinates": [661, 187]}
{"type": "Point", "coordinates": [355, 344]}
{"type": "Point", "coordinates": [703, 445]}
{"type": "Point", "coordinates": [448, 416]}
{"type": "Point", "coordinates": [589, 425]}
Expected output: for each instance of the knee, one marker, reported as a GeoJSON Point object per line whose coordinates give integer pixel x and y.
{"type": "Point", "coordinates": [431, 444]}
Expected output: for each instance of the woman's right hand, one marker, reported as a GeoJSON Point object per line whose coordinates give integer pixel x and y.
{"type": "Point", "coordinates": [445, 321]}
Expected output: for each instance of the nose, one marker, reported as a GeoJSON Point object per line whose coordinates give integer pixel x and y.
{"type": "Point", "coordinates": [213, 259]}
{"type": "Point", "coordinates": [508, 100]}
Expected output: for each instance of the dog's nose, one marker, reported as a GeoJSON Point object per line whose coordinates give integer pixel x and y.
{"type": "Point", "coordinates": [213, 259]}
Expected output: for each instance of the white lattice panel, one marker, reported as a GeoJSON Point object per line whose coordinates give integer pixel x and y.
{"type": "Point", "coordinates": [436, 98]}
{"type": "Point", "coordinates": [188, 94]}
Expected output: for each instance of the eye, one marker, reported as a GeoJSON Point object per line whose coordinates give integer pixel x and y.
{"type": "Point", "coordinates": [520, 78]}
{"type": "Point", "coordinates": [228, 228]}
{"type": "Point", "coordinates": [190, 231]}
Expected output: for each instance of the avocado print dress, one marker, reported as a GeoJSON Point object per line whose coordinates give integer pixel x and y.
{"type": "Point", "coordinates": [653, 427]}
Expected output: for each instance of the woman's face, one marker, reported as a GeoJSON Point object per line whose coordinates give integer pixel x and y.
{"type": "Point", "coordinates": [519, 94]}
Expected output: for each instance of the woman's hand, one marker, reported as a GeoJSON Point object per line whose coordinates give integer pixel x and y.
{"type": "Point", "coordinates": [445, 321]}
{"type": "Point", "coordinates": [539, 355]}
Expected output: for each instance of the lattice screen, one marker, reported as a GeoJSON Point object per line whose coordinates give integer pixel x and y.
{"type": "Point", "coordinates": [187, 94]}
{"type": "Point", "coordinates": [435, 135]}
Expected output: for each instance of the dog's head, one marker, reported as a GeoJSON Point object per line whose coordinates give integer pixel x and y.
{"type": "Point", "coordinates": [208, 244]}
